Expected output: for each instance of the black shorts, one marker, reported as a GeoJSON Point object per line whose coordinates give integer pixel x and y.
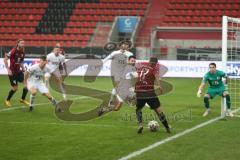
{"type": "Point", "coordinates": [152, 101]}
{"type": "Point", "coordinates": [15, 78]}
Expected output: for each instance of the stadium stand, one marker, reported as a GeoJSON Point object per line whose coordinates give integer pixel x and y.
{"type": "Point", "coordinates": [73, 22]}
{"type": "Point", "coordinates": [19, 20]}
{"type": "Point", "coordinates": [86, 23]}
{"type": "Point", "coordinates": [99, 38]}
{"type": "Point", "coordinates": [186, 13]}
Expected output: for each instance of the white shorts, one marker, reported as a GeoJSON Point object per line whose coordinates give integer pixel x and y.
{"type": "Point", "coordinates": [126, 96]}
{"type": "Point", "coordinates": [119, 98]}
{"type": "Point", "coordinates": [117, 77]}
{"type": "Point", "coordinates": [40, 86]}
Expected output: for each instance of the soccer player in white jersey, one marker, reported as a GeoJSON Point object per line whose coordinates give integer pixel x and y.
{"type": "Point", "coordinates": [56, 61]}
{"type": "Point", "coordinates": [126, 87]}
{"type": "Point", "coordinates": [119, 62]}
{"type": "Point", "coordinates": [33, 79]}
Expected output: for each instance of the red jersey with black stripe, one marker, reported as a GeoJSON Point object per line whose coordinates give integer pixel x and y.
{"type": "Point", "coordinates": [146, 73]}
{"type": "Point", "coordinates": [16, 59]}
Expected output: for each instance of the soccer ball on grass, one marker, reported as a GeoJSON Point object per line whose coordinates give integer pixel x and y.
{"type": "Point", "coordinates": [153, 126]}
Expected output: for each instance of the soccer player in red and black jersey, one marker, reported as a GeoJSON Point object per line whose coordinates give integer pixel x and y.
{"type": "Point", "coordinates": [146, 93]}
{"type": "Point", "coordinates": [15, 71]}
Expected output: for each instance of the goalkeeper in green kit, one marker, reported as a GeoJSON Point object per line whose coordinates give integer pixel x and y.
{"type": "Point", "coordinates": [215, 79]}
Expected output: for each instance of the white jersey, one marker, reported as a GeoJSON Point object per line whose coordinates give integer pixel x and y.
{"type": "Point", "coordinates": [36, 74]}
{"type": "Point", "coordinates": [54, 61]}
{"type": "Point", "coordinates": [125, 89]}
{"type": "Point", "coordinates": [114, 55]}
{"type": "Point", "coordinates": [119, 62]}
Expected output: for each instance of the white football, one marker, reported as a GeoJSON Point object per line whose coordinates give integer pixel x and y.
{"type": "Point", "coordinates": [153, 126]}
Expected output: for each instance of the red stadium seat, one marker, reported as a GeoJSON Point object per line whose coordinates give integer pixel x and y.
{"type": "Point", "coordinates": [68, 44]}
{"type": "Point", "coordinates": [188, 19]}
{"type": "Point", "coordinates": [195, 19]}
{"type": "Point", "coordinates": [234, 13]}
{"type": "Point", "coordinates": [212, 13]}
{"type": "Point", "coordinates": [210, 19]}
{"type": "Point", "coordinates": [76, 43]}
{"type": "Point", "coordinates": [204, 13]}
{"type": "Point", "coordinates": [219, 13]}
{"type": "Point", "coordinates": [228, 12]}
{"type": "Point", "coordinates": [24, 20]}
{"type": "Point", "coordinates": [181, 19]}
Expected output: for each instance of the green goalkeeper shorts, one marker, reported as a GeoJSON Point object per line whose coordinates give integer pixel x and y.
{"type": "Point", "coordinates": [215, 91]}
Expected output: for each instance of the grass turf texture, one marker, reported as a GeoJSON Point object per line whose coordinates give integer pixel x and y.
{"type": "Point", "coordinates": [40, 135]}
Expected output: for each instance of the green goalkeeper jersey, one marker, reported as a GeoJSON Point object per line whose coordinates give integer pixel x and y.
{"type": "Point", "coordinates": [214, 79]}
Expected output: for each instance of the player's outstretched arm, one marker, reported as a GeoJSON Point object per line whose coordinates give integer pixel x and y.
{"type": "Point", "coordinates": [110, 56]}
{"type": "Point", "coordinates": [6, 58]}
{"type": "Point", "coordinates": [158, 83]}
{"type": "Point", "coordinates": [225, 80]}
{"type": "Point", "coordinates": [200, 88]}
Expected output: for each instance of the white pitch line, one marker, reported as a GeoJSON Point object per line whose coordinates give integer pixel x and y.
{"type": "Point", "coordinates": [13, 108]}
{"type": "Point", "coordinates": [39, 104]}
{"type": "Point", "coordinates": [154, 145]}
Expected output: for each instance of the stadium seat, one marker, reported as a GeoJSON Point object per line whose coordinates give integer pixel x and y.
{"type": "Point", "coordinates": [235, 13]}
{"type": "Point", "coordinates": [25, 19]}
{"type": "Point", "coordinates": [196, 13]}
{"type": "Point", "coordinates": [188, 19]}
{"type": "Point", "coordinates": [195, 19]}
{"type": "Point", "coordinates": [68, 44]}
{"type": "Point", "coordinates": [181, 19]}
{"type": "Point", "coordinates": [191, 6]}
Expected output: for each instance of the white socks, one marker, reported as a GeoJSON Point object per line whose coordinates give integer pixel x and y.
{"type": "Point", "coordinates": [47, 82]}
{"type": "Point", "coordinates": [114, 93]}
{"type": "Point", "coordinates": [63, 92]}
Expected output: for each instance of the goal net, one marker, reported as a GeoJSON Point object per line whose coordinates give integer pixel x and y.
{"type": "Point", "coordinates": [231, 61]}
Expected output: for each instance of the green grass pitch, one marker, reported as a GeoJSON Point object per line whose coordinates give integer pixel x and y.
{"type": "Point", "coordinates": [41, 136]}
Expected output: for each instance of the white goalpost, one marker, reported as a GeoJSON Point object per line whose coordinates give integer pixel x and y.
{"type": "Point", "coordinates": [231, 61]}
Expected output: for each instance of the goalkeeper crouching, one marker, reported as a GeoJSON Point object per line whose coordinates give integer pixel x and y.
{"type": "Point", "coordinates": [216, 87]}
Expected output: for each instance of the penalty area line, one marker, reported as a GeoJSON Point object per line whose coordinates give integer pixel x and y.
{"type": "Point", "coordinates": [187, 131]}
{"type": "Point", "coordinates": [18, 107]}
{"type": "Point", "coordinates": [39, 104]}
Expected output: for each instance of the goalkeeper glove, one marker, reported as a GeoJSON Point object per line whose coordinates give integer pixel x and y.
{"type": "Point", "coordinates": [199, 93]}
{"type": "Point", "coordinates": [224, 80]}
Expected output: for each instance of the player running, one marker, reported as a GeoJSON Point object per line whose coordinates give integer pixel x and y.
{"type": "Point", "coordinates": [15, 71]}
{"type": "Point", "coordinates": [216, 87]}
{"type": "Point", "coordinates": [126, 87]}
{"type": "Point", "coordinates": [145, 92]}
{"type": "Point", "coordinates": [125, 90]}
{"type": "Point", "coordinates": [33, 79]}
{"type": "Point", "coordinates": [56, 63]}
{"type": "Point", "coordinates": [119, 61]}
